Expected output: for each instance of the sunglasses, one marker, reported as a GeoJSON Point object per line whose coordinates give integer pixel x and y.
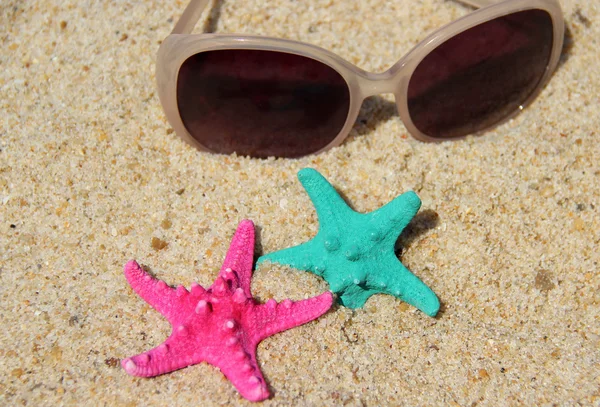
{"type": "Point", "coordinates": [261, 97]}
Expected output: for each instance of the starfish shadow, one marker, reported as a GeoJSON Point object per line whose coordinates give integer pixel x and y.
{"type": "Point", "coordinates": [148, 270]}
{"type": "Point", "coordinates": [442, 310]}
{"type": "Point", "coordinates": [423, 221]}
{"type": "Point", "coordinates": [258, 247]}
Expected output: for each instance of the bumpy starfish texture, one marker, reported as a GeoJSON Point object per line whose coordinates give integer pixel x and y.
{"type": "Point", "coordinates": [354, 252]}
{"type": "Point", "coordinates": [222, 325]}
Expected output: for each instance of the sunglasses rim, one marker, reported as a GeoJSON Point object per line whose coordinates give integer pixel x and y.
{"type": "Point", "coordinates": [177, 48]}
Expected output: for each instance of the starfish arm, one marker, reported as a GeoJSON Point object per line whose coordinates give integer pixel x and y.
{"type": "Point", "coordinates": [301, 257]}
{"type": "Point", "coordinates": [170, 302]}
{"type": "Point", "coordinates": [271, 317]}
{"type": "Point", "coordinates": [171, 355]}
{"type": "Point", "coordinates": [241, 369]}
{"type": "Point", "coordinates": [330, 206]}
{"type": "Point", "coordinates": [397, 213]}
{"type": "Point", "coordinates": [239, 258]}
{"type": "Point", "coordinates": [397, 280]}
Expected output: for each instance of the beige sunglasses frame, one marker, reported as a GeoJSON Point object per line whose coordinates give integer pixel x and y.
{"type": "Point", "coordinates": [180, 45]}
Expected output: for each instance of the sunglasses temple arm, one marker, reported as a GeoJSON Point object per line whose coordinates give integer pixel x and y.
{"type": "Point", "coordinates": [190, 17]}
{"type": "Point", "coordinates": [194, 10]}
{"type": "Point", "coordinates": [479, 3]}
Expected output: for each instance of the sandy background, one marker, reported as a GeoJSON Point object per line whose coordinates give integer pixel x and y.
{"type": "Point", "coordinates": [91, 173]}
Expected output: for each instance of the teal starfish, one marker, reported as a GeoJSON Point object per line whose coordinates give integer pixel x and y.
{"type": "Point", "coordinates": [354, 252]}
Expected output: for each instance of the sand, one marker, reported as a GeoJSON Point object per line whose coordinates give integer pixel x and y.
{"type": "Point", "coordinates": [91, 173]}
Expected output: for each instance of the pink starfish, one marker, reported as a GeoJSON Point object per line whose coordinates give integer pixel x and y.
{"type": "Point", "coordinates": [222, 325]}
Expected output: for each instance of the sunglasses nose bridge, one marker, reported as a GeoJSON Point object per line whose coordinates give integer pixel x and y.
{"type": "Point", "coordinates": [372, 84]}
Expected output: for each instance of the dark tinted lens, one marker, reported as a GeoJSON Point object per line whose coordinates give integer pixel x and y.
{"type": "Point", "coordinates": [261, 103]}
{"type": "Point", "coordinates": [480, 76]}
